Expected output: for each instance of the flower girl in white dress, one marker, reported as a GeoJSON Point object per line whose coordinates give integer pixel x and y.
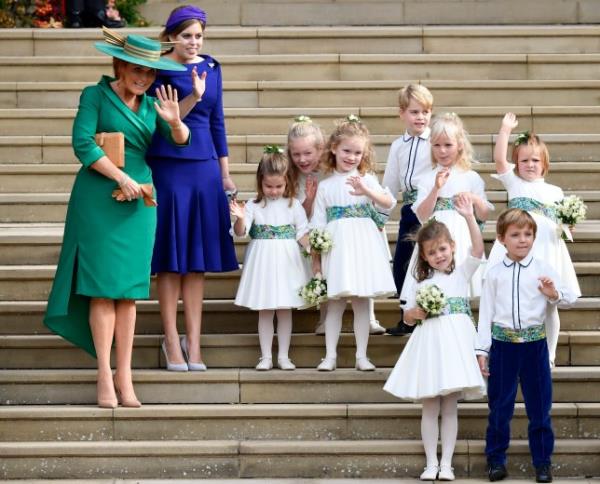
{"type": "Point", "coordinates": [438, 365]}
{"type": "Point", "coordinates": [452, 155]}
{"type": "Point", "coordinates": [273, 271]}
{"type": "Point", "coordinates": [523, 179]}
{"type": "Point", "coordinates": [357, 267]}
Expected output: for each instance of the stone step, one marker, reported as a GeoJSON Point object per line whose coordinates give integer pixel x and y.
{"type": "Point", "coordinates": [346, 94]}
{"type": "Point", "coordinates": [54, 149]}
{"type": "Point", "coordinates": [221, 316]}
{"type": "Point", "coordinates": [344, 67]}
{"type": "Point", "coordinates": [491, 39]}
{"type": "Point", "coordinates": [57, 178]}
{"type": "Point", "coordinates": [57, 387]}
{"type": "Point", "coordinates": [24, 244]}
{"type": "Point", "coordinates": [20, 208]}
{"type": "Point", "coordinates": [401, 12]}
{"type": "Point", "coordinates": [33, 282]}
{"type": "Point", "coordinates": [243, 121]}
{"type": "Point", "coordinates": [289, 422]}
{"type": "Point", "coordinates": [187, 459]}
{"type": "Point", "coordinates": [576, 348]}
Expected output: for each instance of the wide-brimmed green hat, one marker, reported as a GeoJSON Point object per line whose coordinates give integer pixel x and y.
{"type": "Point", "coordinates": [137, 50]}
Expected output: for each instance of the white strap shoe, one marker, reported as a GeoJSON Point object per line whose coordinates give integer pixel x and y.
{"type": "Point", "coordinates": [446, 473]}
{"type": "Point", "coordinates": [363, 364]}
{"type": "Point", "coordinates": [327, 364]}
{"type": "Point", "coordinates": [264, 364]}
{"type": "Point", "coordinates": [285, 364]}
{"type": "Point", "coordinates": [429, 474]}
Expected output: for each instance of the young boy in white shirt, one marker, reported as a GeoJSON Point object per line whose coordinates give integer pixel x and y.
{"type": "Point", "coordinates": [408, 160]}
{"type": "Point", "coordinates": [512, 345]}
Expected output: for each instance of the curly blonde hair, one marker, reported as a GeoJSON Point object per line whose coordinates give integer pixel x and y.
{"type": "Point", "coordinates": [350, 127]}
{"type": "Point", "coordinates": [451, 125]}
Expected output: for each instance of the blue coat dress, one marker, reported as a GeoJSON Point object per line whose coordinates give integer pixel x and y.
{"type": "Point", "coordinates": [192, 233]}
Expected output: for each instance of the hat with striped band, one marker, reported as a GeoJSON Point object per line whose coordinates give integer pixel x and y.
{"type": "Point", "coordinates": [137, 49]}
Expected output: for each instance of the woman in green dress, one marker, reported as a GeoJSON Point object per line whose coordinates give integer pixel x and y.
{"type": "Point", "coordinates": [104, 265]}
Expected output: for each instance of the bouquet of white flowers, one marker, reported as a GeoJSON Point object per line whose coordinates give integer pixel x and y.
{"type": "Point", "coordinates": [320, 241]}
{"type": "Point", "coordinates": [431, 299]}
{"type": "Point", "coordinates": [315, 291]}
{"type": "Point", "coordinates": [570, 211]}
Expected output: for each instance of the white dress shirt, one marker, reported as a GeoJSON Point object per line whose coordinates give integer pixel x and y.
{"type": "Point", "coordinates": [511, 298]}
{"type": "Point", "coordinates": [408, 160]}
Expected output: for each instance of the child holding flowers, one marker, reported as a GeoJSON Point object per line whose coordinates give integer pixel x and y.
{"type": "Point", "coordinates": [347, 205]}
{"type": "Point", "coordinates": [305, 145]}
{"type": "Point", "coordinates": [274, 271]}
{"type": "Point", "coordinates": [527, 190]}
{"type": "Point", "coordinates": [438, 365]}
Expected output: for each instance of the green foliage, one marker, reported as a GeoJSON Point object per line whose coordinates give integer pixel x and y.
{"type": "Point", "coordinates": [129, 10]}
{"type": "Point", "coordinates": [17, 13]}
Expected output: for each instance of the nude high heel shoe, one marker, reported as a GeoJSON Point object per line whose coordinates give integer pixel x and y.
{"type": "Point", "coordinates": [105, 402]}
{"type": "Point", "coordinates": [133, 403]}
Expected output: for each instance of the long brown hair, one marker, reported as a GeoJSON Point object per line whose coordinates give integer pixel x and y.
{"type": "Point", "coordinates": [274, 164]}
{"type": "Point", "coordinates": [350, 127]}
{"type": "Point", "coordinates": [432, 230]}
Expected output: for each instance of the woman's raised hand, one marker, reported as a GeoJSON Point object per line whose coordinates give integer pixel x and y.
{"type": "Point", "coordinates": [168, 105]}
{"type": "Point", "coordinates": [198, 84]}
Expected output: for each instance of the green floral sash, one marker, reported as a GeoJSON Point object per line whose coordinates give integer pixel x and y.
{"type": "Point", "coordinates": [459, 305]}
{"type": "Point", "coordinates": [363, 210]}
{"type": "Point", "coordinates": [527, 335]}
{"type": "Point", "coordinates": [258, 231]}
{"type": "Point", "coordinates": [409, 196]}
{"type": "Point", "coordinates": [531, 205]}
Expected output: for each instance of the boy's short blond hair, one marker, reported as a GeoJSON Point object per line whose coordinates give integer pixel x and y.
{"type": "Point", "coordinates": [416, 92]}
{"type": "Point", "coordinates": [515, 216]}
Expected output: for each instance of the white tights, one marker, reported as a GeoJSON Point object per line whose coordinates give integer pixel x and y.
{"type": "Point", "coordinates": [333, 325]}
{"type": "Point", "coordinates": [266, 331]}
{"type": "Point", "coordinates": [432, 407]}
{"type": "Point", "coordinates": [323, 311]}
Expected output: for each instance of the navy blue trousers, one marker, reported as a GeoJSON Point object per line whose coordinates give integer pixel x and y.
{"type": "Point", "coordinates": [409, 223]}
{"type": "Point", "coordinates": [509, 365]}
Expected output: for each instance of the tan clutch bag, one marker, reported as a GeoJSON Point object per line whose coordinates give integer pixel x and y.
{"type": "Point", "coordinates": [147, 194]}
{"type": "Point", "coordinates": [113, 145]}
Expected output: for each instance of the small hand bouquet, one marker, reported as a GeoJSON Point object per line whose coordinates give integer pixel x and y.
{"type": "Point", "coordinates": [319, 241]}
{"type": "Point", "coordinates": [431, 299]}
{"type": "Point", "coordinates": [570, 211]}
{"type": "Point", "coordinates": [315, 291]}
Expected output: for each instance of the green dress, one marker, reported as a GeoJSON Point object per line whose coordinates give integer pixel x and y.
{"type": "Point", "coordinates": [107, 245]}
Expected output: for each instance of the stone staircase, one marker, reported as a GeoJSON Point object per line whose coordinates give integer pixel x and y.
{"type": "Point", "coordinates": [233, 421]}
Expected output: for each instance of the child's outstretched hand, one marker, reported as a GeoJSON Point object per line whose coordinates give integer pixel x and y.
{"type": "Point", "coordinates": [358, 187]}
{"type": "Point", "coordinates": [547, 288]}
{"type": "Point", "coordinates": [441, 177]}
{"type": "Point", "coordinates": [483, 365]}
{"type": "Point", "coordinates": [509, 122]}
{"type": "Point", "coordinates": [463, 203]}
{"type": "Point", "coordinates": [236, 209]}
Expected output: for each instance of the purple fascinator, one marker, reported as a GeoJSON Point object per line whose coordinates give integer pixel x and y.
{"type": "Point", "coordinates": [189, 12]}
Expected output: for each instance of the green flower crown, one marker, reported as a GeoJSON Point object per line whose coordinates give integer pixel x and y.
{"type": "Point", "coordinates": [522, 138]}
{"type": "Point", "coordinates": [303, 119]}
{"type": "Point", "coordinates": [272, 149]}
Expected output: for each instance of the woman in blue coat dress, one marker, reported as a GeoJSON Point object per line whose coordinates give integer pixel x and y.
{"type": "Point", "coordinates": [192, 234]}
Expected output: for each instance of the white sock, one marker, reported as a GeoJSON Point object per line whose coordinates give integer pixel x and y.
{"type": "Point", "coordinates": [360, 305]}
{"type": "Point", "coordinates": [284, 332]}
{"type": "Point", "coordinates": [449, 410]}
{"type": "Point", "coordinates": [430, 430]}
{"type": "Point", "coordinates": [333, 326]}
{"type": "Point", "coordinates": [552, 324]}
{"type": "Point", "coordinates": [265, 331]}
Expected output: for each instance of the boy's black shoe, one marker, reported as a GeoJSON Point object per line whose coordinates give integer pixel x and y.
{"type": "Point", "coordinates": [543, 473]}
{"type": "Point", "coordinates": [497, 472]}
{"type": "Point", "coordinates": [400, 329]}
